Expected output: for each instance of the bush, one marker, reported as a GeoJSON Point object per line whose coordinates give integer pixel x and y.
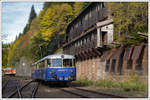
{"type": "Point", "coordinates": [132, 83]}
{"type": "Point", "coordinates": [82, 82]}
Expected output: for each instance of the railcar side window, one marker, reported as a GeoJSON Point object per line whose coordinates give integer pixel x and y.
{"type": "Point", "coordinates": [41, 64]}
{"type": "Point", "coordinates": [57, 62]}
{"type": "Point", "coordinates": [49, 63]}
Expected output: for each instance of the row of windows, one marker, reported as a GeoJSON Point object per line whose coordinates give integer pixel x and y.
{"type": "Point", "coordinates": [56, 63]}
{"type": "Point", "coordinates": [86, 20]}
{"type": "Point", "coordinates": [85, 41]}
{"type": "Point", "coordinates": [120, 68]}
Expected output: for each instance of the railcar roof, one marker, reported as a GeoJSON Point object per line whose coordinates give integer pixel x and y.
{"type": "Point", "coordinates": [56, 56]}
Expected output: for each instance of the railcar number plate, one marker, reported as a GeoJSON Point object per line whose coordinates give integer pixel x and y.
{"type": "Point", "coordinates": [60, 78]}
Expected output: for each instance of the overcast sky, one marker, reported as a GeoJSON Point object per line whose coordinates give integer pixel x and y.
{"type": "Point", "coordinates": [15, 16]}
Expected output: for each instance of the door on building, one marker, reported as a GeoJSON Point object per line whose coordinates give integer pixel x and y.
{"type": "Point", "coordinates": [104, 38]}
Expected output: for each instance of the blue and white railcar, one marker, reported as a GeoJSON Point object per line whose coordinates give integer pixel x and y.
{"type": "Point", "coordinates": [55, 68]}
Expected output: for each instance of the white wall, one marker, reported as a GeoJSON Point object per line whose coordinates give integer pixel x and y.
{"type": "Point", "coordinates": [109, 29]}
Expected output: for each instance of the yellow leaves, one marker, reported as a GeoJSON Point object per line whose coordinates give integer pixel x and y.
{"type": "Point", "coordinates": [48, 34]}
{"type": "Point", "coordinates": [55, 20]}
{"type": "Point", "coordinates": [78, 8]}
{"type": "Point", "coordinates": [13, 50]}
{"type": "Point", "coordinates": [46, 22]}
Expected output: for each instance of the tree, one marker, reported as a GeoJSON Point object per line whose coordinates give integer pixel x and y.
{"type": "Point", "coordinates": [43, 34]}
{"type": "Point", "coordinates": [78, 7]}
{"type": "Point", "coordinates": [4, 37]}
{"type": "Point", "coordinates": [5, 50]}
{"type": "Point", "coordinates": [37, 44]}
{"type": "Point", "coordinates": [26, 28]}
{"type": "Point", "coordinates": [32, 15]}
{"type": "Point", "coordinates": [129, 18]}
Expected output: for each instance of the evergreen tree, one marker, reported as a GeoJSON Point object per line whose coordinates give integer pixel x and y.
{"type": "Point", "coordinates": [32, 15]}
{"type": "Point", "coordinates": [26, 28]}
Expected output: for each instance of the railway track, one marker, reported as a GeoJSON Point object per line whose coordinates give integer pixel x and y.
{"type": "Point", "coordinates": [5, 84]}
{"type": "Point", "coordinates": [101, 93]}
{"type": "Point", "coordinates": [84, 93]}
{"type": "Point", "coordinates": [71, 92]}
{"type": "Point", "coordinates": [18, 89]}
{"type": "Point", "coordinates": [29, 90]}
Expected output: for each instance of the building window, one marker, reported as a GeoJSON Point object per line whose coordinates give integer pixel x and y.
{"type": "Point", "coordinates": [107, 66]}
{"type": "Point", "coordinates": [102, 5]}
{"type": "Point", "coordinates": [113, 66]}
{"type": "Point", "coordinates": [90, 14]}
{"type": "Point", "coordinates": [84, 40]}
{"type": "Point", "coordinates": [98, 7]}
{"type": "Point", "coordinates": [86, 17]}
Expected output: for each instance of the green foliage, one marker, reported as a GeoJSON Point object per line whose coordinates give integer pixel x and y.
{"type": "Point", "coordinates": [14, 52]}
{"type": "Point", "coordinates": [37, 43]}
{"type": "Point", "coordinates": [131, 83]}
{"type": "Point", "coordinates": [129, 18]}
{"type": "Point", "coordinates": [78, 7]}
{"type": "Point", "coordinates": [5, 50]}
{"type": "Point", "coordinates": [26, 28]}
{"type": "Point", "coordinates": [55, 20]}
{"type": "Point", "coordinates": [46, 5]}
{"type": "Point", "coordinates": [82, 82]}
{"type": "Point", "coordinates": [32, 15]}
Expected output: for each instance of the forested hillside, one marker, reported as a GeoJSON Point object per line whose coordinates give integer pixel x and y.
{"type": "Point", "coordinates": [44, 34]}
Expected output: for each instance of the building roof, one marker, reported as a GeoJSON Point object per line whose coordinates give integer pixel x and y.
{"type": "Point", "coordinates": [80, 14]}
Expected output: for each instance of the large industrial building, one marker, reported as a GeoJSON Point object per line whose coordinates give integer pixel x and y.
{"type": "Point", "coordinates": [89, 35]}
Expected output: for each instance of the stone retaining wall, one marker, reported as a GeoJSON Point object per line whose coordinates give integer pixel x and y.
{"type": "Point", "coordinates": [116, 64]}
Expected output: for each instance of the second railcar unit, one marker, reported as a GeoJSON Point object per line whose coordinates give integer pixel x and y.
{"type": "Point", "coordinates": [10, 71]}
{"type": "Point", "coordinates": [55, 68]}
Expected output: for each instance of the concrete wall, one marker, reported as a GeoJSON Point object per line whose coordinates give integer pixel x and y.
{"type": "Point", "coordinates": [23, 68]}
{"type": "Point", "coordinates": [105, 26]}
{"type": "Point", "coordinates": [95, 69]}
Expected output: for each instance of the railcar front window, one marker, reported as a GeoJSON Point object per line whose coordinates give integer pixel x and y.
{"type": "Point", "coordinates": [57, 62]}
{"type": "Point", "coordinates": [67, 63]}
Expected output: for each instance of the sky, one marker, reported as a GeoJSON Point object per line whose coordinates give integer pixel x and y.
{"type": "Point", "coordinates": [14, 18]}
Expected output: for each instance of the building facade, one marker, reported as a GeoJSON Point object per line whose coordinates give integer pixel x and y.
{"type": "Point", "coordinates": [87, 38]}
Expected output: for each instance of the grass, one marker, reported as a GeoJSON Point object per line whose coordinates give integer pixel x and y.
{"type": "Point", "coordinates": [131, 83]}
{"type": "Point", "coordinates": [82, 82]}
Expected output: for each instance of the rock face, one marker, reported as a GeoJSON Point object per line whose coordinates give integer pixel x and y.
{"type": "Point", "coordinates": [23, 68]}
